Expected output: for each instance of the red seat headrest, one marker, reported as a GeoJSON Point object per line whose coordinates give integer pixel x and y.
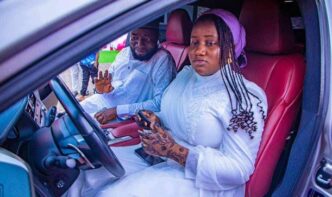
{"type": "Point", "coordinates": [179, 27]}
{"type": "Point", "coordinates": [268, 28]}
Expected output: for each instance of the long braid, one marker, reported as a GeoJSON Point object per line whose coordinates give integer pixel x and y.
{"type": "Point", "coordinates": [239, 95]}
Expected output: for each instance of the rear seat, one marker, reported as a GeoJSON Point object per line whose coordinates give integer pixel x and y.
{"type": "Point", "coordinates": [178, 37]}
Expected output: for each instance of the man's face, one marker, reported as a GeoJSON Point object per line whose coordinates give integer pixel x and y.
{"type": "Point", "coordinates": [143, 43]}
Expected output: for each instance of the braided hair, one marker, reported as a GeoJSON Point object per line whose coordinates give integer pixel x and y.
{"type": "Point", "coordinates": [240, 99]}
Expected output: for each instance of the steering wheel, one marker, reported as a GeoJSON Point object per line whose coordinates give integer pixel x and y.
{"type": "Point", "coordinates": [91, 133]}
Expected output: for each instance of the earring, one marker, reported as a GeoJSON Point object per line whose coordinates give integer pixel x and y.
{"type": "Point", "coordinates": [229, 59]}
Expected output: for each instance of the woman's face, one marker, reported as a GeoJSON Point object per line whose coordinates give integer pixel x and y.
{"type": "Point", "coordinates": [204, 50]}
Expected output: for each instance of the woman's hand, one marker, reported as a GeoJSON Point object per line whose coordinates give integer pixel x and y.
{"type": "Point", "coordinates": [154, 120]}
{"type": "Point", "coordinates": [160, 143]}
{"type": "Point", "coordinates": [103, 83]}
{"type": "Point", "coordinates": [106, 115]}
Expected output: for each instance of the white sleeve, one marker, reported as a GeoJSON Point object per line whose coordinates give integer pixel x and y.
{"type": "Point", "coordinates": [231, 165]}
{"type": "Point", "coordinates": [162, 76]}
{"type": "Point", "coordinates": [120, 60]}
{"type": "Point", "coordinates": [214, 170]}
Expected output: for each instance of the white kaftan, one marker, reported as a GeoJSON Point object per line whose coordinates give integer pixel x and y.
{"type": "Point", "coordinates": [196, 110]}
{"type": "Point", "coordinates": [137, 84]}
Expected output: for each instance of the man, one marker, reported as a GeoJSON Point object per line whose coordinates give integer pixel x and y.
{"type": "Point", "coordinates": [137, 79]}
{"type": "Point", "coordinates": [89, 66]}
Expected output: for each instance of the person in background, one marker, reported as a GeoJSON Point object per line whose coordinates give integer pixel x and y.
{"type": "Point", "coordinates": [74, 72]}
{"type": "Point", "coordinates": [89, 67]}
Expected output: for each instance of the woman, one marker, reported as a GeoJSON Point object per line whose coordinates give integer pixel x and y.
{"type": "Point", "coordinates": [212, 120]}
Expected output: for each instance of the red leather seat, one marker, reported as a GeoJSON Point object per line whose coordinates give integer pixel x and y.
{"type": "Point", "coordinates": [274, 65]}
{"type": "Point", "coordinates": [178, 36]}
{"type": "Point", "coordinates": [125, 133]}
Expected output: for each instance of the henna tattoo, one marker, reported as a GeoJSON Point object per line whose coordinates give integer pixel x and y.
{"type": "Point", "coordinates": [179, 154]}
{"type": "Point", "coordinates": [161, 143]}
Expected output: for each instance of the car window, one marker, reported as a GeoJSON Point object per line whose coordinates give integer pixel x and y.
{"type": "Point", "coordinates": [73, 76]}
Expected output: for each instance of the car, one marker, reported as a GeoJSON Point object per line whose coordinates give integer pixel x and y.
{"type": "Point", "coordinates": [42, 152]}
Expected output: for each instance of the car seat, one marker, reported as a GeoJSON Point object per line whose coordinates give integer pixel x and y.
{"type": "Point", "coordinates": [178, 31]}
{"type": "Point", "coordinates": [278, 69]}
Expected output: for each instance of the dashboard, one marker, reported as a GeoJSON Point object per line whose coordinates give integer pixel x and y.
{"type": "Point", "coordinates": [24, 117]}
{"type": "Point", "coordinates": [35, 109]}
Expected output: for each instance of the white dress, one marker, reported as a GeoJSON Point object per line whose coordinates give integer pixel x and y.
{"type": "Point", "coordinates": [196, 110]}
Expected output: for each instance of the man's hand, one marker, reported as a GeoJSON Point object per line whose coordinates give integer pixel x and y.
{"type": "Point", "coordinates": [106, 115]}
{"type": "Point", "coordinates": [103, 83]}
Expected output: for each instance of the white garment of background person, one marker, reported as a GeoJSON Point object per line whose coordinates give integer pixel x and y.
{"type": "Point", "coordinates": [74, 72]}
{"type": "Point", "coordinates": [196, 110]}
{"type": "Point", "coordinates": [137, 84]}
